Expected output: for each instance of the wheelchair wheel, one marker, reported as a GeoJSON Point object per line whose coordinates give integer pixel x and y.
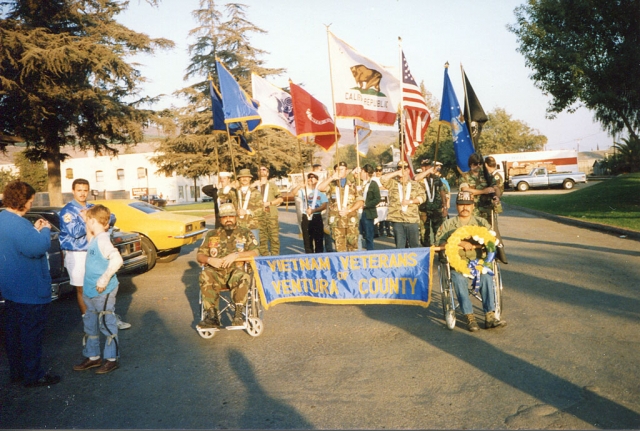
{"type": "Point", "coordinates": [446, 293]}
{"type": "Point", "coordinates": [254, 324]}
{"type": "Point", "coordinates": [206, 333]}
{"type": "Point", "coordinates": [497, 286]}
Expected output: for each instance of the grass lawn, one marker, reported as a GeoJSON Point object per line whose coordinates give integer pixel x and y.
{"type": "Point", "coordinates": [200, 209]}
{"type": "Point", "coordinates": [614, 202]}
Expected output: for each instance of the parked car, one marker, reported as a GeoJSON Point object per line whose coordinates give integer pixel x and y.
{"type": "Point", "coordinates": [154, 200]}
{"type": "Point", "coordinates": [163, 232]}
{"type": "Point", "coordinates": [128, 244]}
{"type": "Point", "coordinates": [540, 177]}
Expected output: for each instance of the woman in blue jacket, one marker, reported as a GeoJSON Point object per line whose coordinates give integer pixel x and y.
{"type": "Point", "coordinates": [25, 284]}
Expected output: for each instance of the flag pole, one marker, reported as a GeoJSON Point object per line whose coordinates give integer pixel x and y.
{"type": "Point", "coordinates": [401, 119]}
{"type": "Point", "coordinates": [333, 100]}
{"type": "Point", "coordinates": [357, 135]}
{"type": "Point", "coordinates": [233, 166]}
{"type": "Point", "coordinates": [435, 155]}
{"type": "Point", "coordinates": [304, 184]}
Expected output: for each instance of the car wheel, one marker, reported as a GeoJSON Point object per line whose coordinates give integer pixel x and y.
{"type": "Point", "coordinates": [149, 250]}
{"type": "Point", "coordinates": [169, 256]}
{"type": "Point", "coordinates": [523, 187]}
{"type": "Point", "coordinates": [567, 184]}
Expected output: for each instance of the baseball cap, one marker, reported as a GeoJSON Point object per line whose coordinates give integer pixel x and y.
{"type": "Point", "coordinates": [464, 198]}
{"type": "Point", "coordinates": [312, 175]}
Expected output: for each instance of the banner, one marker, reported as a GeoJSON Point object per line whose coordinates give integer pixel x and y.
{"type": "Point", "coordinates": [366, 277]}
{"type": "Point", "coordinates": [362, 88]}
{"type": "Point", "coordinates": [312, 118]}
{"type": "Point", "coordinates": [276, 108]}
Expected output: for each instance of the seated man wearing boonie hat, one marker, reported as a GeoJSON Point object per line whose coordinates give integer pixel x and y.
{"type": "Point", "coordinates": [465, 217]}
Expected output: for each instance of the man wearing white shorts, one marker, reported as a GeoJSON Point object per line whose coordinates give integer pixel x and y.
{"type": "Point", "coordinates": [73, 240]}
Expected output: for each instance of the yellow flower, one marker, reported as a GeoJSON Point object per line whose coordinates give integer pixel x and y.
{"type": "Point", "coordinates": [479, 234]}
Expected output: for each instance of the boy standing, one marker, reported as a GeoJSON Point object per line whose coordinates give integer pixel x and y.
{"type": "Point", "coordinates": [99, 293]}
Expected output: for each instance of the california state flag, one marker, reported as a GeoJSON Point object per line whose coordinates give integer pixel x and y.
{"type": "Point", "coordinates": [312, 118]}
{"type": "Point", "coordinates": [362, 88]}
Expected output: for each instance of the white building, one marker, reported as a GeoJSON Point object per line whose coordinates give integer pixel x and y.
{"type": "Point", "coordinates": [129, 175]}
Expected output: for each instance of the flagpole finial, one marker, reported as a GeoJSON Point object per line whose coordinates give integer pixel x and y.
{"type": "Point", "coordinates": [446, 65]}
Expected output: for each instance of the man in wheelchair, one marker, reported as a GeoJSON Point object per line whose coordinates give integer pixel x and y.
{"type": "Point", "coordinates": [218, 253]}
{"type": "Point", "coordinates": [465, 205]}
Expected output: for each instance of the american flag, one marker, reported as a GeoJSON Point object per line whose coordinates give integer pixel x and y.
{"type": "Point", "coordinates": [416, 113]}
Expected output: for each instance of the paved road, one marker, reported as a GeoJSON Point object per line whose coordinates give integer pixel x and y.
{"type": "Point", "coordinates": [568, 359]}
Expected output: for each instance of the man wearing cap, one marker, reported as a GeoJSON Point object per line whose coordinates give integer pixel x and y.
{"type": "Point", "coordinates": [433, 207]}
{"type": "Point", "coordinates": [269, 228]}
{"type": "Point", "coordinates": [465, 204]}
{"type": "Point", "coordinates": [371, 199]}
{"type": "Point", "coordinates": [343, 206]}
{"type": "Point", "coordinates": [226, 192]}
{"type": "Point", "coordinates": [250, 209]}
{"type": "Point", "coordinates": [474, 182]}
{"type": "Point", "coordinates": [405, 196]}
{"type": "Point", "coordinates": [313, 202]}
{"type": "Point", "coordinates": [219, 253]}
{"type": "Point", "coordinates": [384, 225]}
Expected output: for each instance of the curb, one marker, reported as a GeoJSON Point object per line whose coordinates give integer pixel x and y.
{"type": "Point", "coordinates": [630, 234]}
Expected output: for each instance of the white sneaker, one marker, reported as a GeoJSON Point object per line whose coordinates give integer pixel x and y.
{"type": "Point", "coordinates": [121, 324]}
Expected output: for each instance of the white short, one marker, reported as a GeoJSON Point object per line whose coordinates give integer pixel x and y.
{"type": "Point", "coordinates": [74, 261]}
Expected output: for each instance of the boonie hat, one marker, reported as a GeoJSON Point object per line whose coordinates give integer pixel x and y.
{"type": "Point", "coordinates": [464, 198]}
{"type": "Point", "coordinates": [245, 173]}
{"type": "Point", "coordinates": [227, 210]}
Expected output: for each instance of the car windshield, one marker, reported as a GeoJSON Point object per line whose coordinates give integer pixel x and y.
{"type": "Point", "coordinates": [145, 207]}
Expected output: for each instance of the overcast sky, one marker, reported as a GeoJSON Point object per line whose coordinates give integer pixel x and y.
{"type": "Point", "coordinates": [471, 33]}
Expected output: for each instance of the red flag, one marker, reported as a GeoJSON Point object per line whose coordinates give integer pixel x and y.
{"type": "Point", "coordinates": [312, 118]}
{"type": "Point", "coordinates": [416, 113]}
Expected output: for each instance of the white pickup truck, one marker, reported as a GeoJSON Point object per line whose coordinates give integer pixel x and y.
{"type": "Point", "coordinates": [539, 177]}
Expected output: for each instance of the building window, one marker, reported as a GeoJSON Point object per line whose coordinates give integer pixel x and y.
{"type": "Point", "coordinates": [120, 173]}
{"type": "Point", "coordinates": [142, 172]}
{"type": "Point", "coordinates": [181, 192]}
{"type": "Point", "coordinates": [69, 173]}
{"type": "Point", "coordinates": [193, 191]}
{"type": "Point", "coordinates": [99, 176]}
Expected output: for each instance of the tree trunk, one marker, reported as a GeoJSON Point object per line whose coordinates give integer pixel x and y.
{"type": "Point", "coordinates": [54, 185]}
{"type": "Point", "coordinates": [195, 190]}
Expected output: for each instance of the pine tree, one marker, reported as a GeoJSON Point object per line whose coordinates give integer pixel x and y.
{"type": "Point", "coordinates": [228, 40]}
{"type": "Point", "coordinates": [64, 79]}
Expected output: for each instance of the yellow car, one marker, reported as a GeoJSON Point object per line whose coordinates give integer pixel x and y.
{"type": "Point", "coordinates": [162, 232]}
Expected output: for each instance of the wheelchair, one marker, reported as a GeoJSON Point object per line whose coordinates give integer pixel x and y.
{"type": "Point", "coordinates": [448, 293]}
{"type": "Point", "coordinates": [252, 312]}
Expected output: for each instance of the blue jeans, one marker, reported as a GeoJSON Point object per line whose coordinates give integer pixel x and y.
{"type": "Point", "coordinates": [367, 231]}
{"type": "Point", "coordinates": [461, 285]}
{"type": "Point", "coordinates": [404, 232]}
{"type": "Point", "coordinates": [94, 323]}
{"type": "Point", "coordinates": [24, 334]}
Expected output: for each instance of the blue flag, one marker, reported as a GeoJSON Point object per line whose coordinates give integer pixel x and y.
{"type": "Point", "coordinates": [236, 105]}
{"type": "Point", "coordinates": [451, 113]}
{"type": "Point", "coordinates": [216, 108]}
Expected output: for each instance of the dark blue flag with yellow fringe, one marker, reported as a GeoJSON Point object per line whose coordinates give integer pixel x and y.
{"type": "Point", "coordinates": [451, 113]}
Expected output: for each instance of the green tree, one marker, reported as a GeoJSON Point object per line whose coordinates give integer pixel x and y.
{"type": "Point", "coordinates": [585, 52]}
{"type": "Point", "coordinates": [227, 37]}
{"type": "Point", "coordinates": [627, 157]}
{"type": "Point", "coordinates": [64, 79]}
{"type": "Point", "coordinates": [502, 134]}
{"type": "Point", "coordinates": [33, 173]}
{"type": "Point", "coordinates": [6, 176]}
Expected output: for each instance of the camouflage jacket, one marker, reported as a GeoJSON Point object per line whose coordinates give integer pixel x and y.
{"type": "Point", "coordinates": [435, 186]}
{"type": "Point", "coordinates": [255, 208]}
{"type": "Point", "coordinates": [411, 215]}
{"type": "Point", "coordinates": [230, 196]}
{"type": "Point", "coordinates": [217, 243]}
{"type": "Point", "coordinates": [335, 219]}
{"type": "Point", "coordinates": [478, 183]}
{"type": "Point", "coordinates": [272, 194]}
{"type": "Point", "coordinates": [449, 227]}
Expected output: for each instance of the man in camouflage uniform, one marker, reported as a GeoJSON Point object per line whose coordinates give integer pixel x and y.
{"type": "Point", "coordinates": [405, 196]}
{"type": "Point", "coordinates": [343, 206]}
{"type": "Point", "coordinates": [250, 207]}
{"type": "Point", "coordinates": [269, 227]}
{"type": "Point", "coordinates": [475, 183]}
{"type": "Point", "coordinates": [435, 197]}
{"type": "Point", "coordinates": [219, 251]}
{"type": "Point", "coordinates": [465, 204]}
